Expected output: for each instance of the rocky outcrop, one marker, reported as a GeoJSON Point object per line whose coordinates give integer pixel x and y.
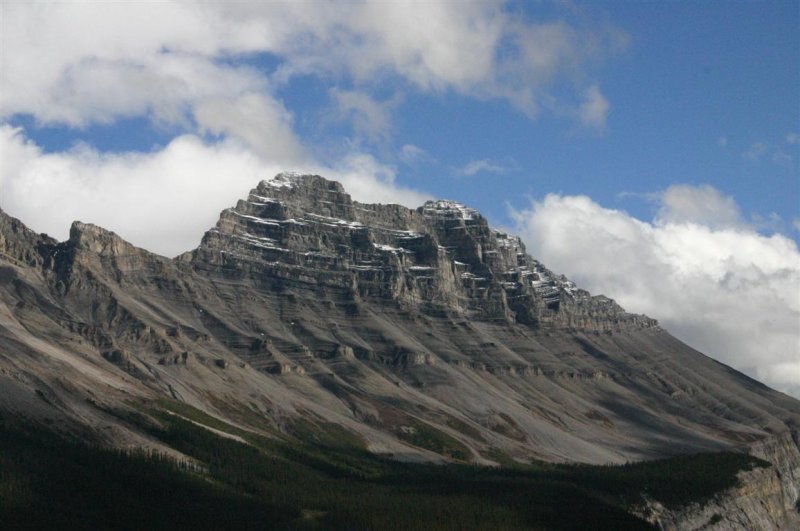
{"type": "Point", "coordinates": [783, 451]}
{"type": "Point", "coordinates": [20, 245]}
{"type": "Point", "coordinates": [754, 505]}
{"type": "Point", "coordinates": [765, 498]}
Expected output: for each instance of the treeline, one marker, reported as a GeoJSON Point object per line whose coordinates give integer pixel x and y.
{"type": "Point", "coordinates": [49, 483]}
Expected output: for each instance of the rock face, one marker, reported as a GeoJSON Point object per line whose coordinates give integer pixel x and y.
{"type": "Point", "coordinates": [756, 504]}
{"type": "Point", "coordinates": [765, 499]}
{"type": "Point", "coordinates": [301, 302]}
{"type": "Point", "coordinates": [440, 259]}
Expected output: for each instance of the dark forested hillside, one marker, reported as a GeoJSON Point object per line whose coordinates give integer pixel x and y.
{"type": "Point", "coordinates": [48, 482]}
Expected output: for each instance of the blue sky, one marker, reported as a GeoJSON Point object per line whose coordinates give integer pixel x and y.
{"type": "Point", "coordinates": [701, 93]}
{"type": "Point", "coordinates": [669, 131]}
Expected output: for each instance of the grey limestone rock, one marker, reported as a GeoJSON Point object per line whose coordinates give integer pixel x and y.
{"type": "Point", "coordinates": [442, 258]}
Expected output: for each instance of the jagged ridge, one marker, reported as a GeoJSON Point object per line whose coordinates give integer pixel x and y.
{"type": "Point", "coordinates": [441, 258]}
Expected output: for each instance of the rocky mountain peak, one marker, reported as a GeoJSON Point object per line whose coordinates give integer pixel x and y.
{"type": "Point", "coordinates": [301, 181]}
{"type": "Point", "coordinates": [440, 257]}
{"type": "Point", "coordinates": [96, 239]}
{"type": "Point", "coordinates": [303, 194]}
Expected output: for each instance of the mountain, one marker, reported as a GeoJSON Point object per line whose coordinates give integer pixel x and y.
{"type": "Point", "coordinates": [425, 334]}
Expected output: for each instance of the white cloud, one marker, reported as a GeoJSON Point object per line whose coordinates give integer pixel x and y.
{"type": "Point", "coordinates": [370, 118]}
{"type": "Point", "coordinates": [722, 142]}
{"type": "Point", "coordinates": [481, 166]}
{"type": "Point", "coordinates": [95, 62]}
{"type": "Point", "coordinates": [370, 181]}
{"type": "Point", "coordinates": [434, 45]}
{"type": "Point", "coordinates": [411, 154]}
{"type": "Point", "coordinates": [593, 111]}
{"type": "Point", "coordinates": [727, 290]}
{"type": "Point", "coordinates": [263, 123]}
{"type": "Point", "coordinates": [792, 138]}
{"type": "Point", "coordinates": [703, 205]}
{"type": "Point", "coordinates": [785, 376]}
{"type": "Point", "coordinates": [162, 201]}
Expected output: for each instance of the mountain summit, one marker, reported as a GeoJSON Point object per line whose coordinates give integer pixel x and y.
{"type": "Point", "coordinates": [440, 259]}
{"type": "Point", "coordinates": [425, 333]}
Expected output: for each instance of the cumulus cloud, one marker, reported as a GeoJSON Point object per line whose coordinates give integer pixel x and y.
{"type": "Point", "coordinates": [261, 122]}
{"type": "Point", "coordinates": [96, 62]}
{"type": "Point", "coordinates": [163, 200]}
{"type": "Point", "coordinates": [716, 284]}
{"type": "Point", "coordinates": [702, 205]}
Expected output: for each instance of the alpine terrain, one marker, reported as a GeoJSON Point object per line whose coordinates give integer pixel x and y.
{"type": "Point", "coordinates": [307, 321]}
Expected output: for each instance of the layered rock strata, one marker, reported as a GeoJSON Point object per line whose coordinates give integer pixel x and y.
{"type": "Point", "coordinates": [442, 258]}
